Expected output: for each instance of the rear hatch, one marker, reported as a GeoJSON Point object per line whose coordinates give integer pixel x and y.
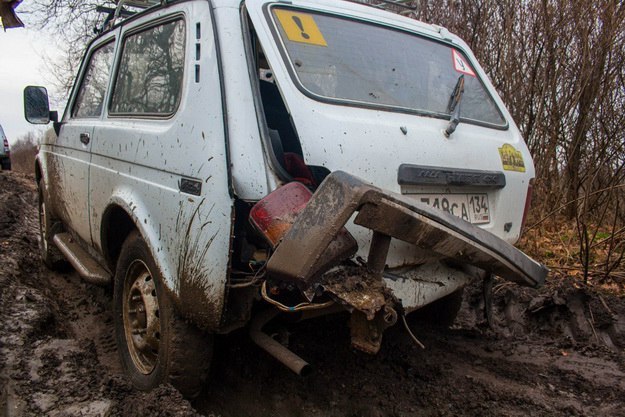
{"type": "Point", "coordinates": [369, 93]}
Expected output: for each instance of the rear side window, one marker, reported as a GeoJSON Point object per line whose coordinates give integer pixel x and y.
{"type": "Point", "coordinates": [149, 79]}
{"type": "Point", "coordinates": [93, 87]}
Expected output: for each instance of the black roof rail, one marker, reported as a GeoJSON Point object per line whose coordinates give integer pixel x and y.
{"type": "Point", "coordinates": [403, 7]}
{"type": "Point", "coordinates": [121, 11]}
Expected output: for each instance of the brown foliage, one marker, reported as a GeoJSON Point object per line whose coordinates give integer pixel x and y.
{"type": "Point", "coordinates": [560, 68]}
{"type": "Point", "coordinates": [24, 151]}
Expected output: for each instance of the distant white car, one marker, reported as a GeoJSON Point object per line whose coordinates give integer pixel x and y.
{"type": "Point", "coordinates": [222, 162]}
{"type": "Point", "coordinates": [5, 152]}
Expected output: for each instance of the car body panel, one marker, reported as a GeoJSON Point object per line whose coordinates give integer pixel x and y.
{"type": "Point", "coordinates": [170, 174]}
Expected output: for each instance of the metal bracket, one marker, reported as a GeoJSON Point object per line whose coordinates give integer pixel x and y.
{"type": "Point", "coordinates": [367, 334]}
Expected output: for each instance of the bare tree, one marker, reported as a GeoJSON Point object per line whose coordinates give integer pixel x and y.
{"type": "Point", "coordinates": [73, 23]}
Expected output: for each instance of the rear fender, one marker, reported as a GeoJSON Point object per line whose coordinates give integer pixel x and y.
{"type": "Point", "coordinates": [180, 258]}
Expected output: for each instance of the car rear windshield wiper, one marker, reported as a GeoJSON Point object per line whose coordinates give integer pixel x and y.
{"type": "Point", "coordinates": [454, 106]}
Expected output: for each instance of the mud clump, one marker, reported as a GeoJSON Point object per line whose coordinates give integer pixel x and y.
{"type": "Point", "coordinates": [557, 351]}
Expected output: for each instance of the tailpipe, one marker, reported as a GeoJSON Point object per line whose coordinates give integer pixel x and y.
{"type": "Point", "coordinates": [275, 349]}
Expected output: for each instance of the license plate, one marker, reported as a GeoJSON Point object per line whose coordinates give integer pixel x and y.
{"type": "Point", "coordinates": [469, 207]}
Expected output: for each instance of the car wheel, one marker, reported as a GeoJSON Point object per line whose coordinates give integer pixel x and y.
{"type": "Point", "coordinates": [6, 165]}
{"type": "Point", "coordinates": [155, 345]}
{"type": "Point", "coordinates": [50, 255]}
{"type": "Point", "coordinates": [440, 313]}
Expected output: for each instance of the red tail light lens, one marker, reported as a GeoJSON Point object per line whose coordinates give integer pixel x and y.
{"type": "Point", "coordinates": [274, 214]}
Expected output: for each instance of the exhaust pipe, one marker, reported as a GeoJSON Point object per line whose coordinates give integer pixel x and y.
{"type": "Point", "coordinates": [275, 349]}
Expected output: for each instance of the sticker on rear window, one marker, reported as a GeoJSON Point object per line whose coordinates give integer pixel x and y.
{"type": "Point", "coordinates": [300, 27]}
{"type": "Point", "coordinates": [460, 64]}
{"type": "Point", "coordinates": [511, 158]}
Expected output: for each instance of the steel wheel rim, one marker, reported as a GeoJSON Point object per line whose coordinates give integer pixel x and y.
{"type": "Point", "coordinates": [141, 317]}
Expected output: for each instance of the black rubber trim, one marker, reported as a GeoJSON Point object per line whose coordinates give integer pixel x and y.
{"type": "Point", "coordinates": [408, 174]}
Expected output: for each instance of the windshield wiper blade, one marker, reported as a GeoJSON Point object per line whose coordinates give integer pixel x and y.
{"type": "Point", "coordinates": [454, 106]}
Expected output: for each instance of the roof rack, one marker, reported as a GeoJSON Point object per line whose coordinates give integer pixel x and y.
{"type": "Point", "coordinates": [121, 11]}
{"type": "Point", "coordinates": [401, 7]}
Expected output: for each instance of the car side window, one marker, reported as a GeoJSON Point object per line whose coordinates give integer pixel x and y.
{"type": "Point", "coordinates": [149, 79]}
{"type": "Point", "coordinates": [92, 90]}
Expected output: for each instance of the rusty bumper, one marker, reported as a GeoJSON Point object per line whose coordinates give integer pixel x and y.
{"type": "Point", "coordinates": [300, 255]}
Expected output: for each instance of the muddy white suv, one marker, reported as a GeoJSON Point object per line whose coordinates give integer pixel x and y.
{"type": "Point", "coordinates": [222, 162]}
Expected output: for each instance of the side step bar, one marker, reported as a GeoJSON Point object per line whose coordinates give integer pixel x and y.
{"type": "Point", "coordinates": [87, 267]}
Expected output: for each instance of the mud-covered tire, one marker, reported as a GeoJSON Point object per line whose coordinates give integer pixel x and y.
{"type": "Point", "coordinates": [155, 345]}
{"type": "Point", "coordinates": [440, 313]}
{"type": "Point", "coordinates": [49, 253]}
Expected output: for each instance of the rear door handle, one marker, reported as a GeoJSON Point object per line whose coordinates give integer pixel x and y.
{"type": "Point", "coordinates": [84, 138]}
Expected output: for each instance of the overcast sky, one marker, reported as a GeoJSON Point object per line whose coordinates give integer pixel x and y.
{"type": "Point", "coordinates": [21, 64]}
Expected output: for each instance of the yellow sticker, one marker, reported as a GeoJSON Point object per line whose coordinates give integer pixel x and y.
{"type": "Point", "coordinates": [511, 158]}
{"type": "Point", "coordinates": [300, 27]}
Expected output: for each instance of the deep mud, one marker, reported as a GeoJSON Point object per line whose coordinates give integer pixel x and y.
{"type": "Point", "coordinates": [558, 351]}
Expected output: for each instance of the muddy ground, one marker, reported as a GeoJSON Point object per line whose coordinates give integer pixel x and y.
{"type": "Point", "coordinates": [558, 351]}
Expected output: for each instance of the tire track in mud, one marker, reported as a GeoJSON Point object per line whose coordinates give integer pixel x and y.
{"type": "Point", "coordinates": [57, 349]}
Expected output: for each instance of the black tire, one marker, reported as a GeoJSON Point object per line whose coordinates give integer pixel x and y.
{"type": "Point", "coordinates": [440, 313]}
{"type": "Point", "coordinates": [155, 345]}
{"type": "Point", "coordinates": [6, 165]}
{"type": "Point", "coordinates": [48, 227]}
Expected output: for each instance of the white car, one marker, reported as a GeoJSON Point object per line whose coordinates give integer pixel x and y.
{"type": "Point", "coordinates": [221, 162]}
{"type": "Point", "coordinates": [5, 151]}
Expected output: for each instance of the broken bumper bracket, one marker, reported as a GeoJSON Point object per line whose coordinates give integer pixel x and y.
{"type": "Point", "coordinates": [341, 195]}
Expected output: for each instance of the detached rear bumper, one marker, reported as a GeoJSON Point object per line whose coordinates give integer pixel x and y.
{"type": "Point", "coordinates": [300, 255]}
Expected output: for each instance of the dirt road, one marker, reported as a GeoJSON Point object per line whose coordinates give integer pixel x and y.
{"type": "Point", "coordinates": [554, 352]}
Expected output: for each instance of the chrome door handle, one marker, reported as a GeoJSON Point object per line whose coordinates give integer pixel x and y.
{"type": "Point", "coordinates": [85, 138]}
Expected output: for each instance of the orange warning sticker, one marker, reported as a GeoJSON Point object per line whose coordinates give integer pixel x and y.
{"type": "Point", "coordinates": [460, 64]}
{"type": "Point", "coordinates": [300, 27]}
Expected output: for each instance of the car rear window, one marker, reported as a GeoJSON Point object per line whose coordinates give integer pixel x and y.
{"type": "Point", "coordinates": [354, 61]}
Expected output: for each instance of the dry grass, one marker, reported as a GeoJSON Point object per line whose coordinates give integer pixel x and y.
{"type": "Point", "coordinates": [555, 242]}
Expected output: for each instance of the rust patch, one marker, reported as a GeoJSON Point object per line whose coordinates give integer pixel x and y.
{"type": "Point", "coordinates": [367, 334]}
{"type": "Point", "coordinates": [358, 289]}
{"type": "Point", "coordinates": [372, 304]}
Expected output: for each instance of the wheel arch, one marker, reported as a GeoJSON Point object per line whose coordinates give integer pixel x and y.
{"type": "Point", "coordinates": [38, 172]}
{"type": "Point", "coordinates": [197, 293]}
{"type": "Point", "coordinates": [116, 225]}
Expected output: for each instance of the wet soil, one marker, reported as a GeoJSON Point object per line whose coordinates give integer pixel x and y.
{"type": "Point", "coordinates": [557, 351]}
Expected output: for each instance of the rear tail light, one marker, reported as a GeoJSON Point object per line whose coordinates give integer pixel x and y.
{"type": "Point", "coordinates": [6, 146]}
{"type": "Point", "coordinates": [528, 203]}
{"type": "Point", "coordinates": [273, 215]}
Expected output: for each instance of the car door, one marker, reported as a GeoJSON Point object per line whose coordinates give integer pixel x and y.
{"type": "Point", "coordinates": [160, 151]}
{"type": "Point", "coordinates": [70, 155]}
